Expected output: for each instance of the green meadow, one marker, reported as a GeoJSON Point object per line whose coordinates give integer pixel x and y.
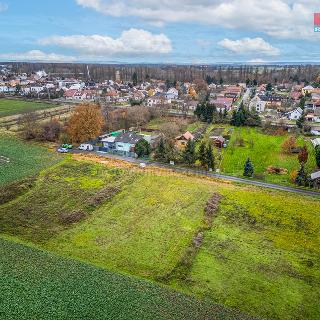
{"type": "Point", "coordinates": [25, 159]}
{"type": "Point", "coordinates": [10, 107]}
{"type": "Point", "coordinates": [264, 151]}
{"type": "Point", "coordinates": [259, 257]}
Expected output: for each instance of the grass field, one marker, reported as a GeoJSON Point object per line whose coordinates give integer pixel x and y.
{"type": "Point", "coordinates": [261, 255]}
{"type": "Point", "coordinates": [38, 285]}
{"type": "Point", "coordinates": [26, 159]}
{"type": "Point", "coordinates": [10, 107]}
{"type": "Point", "coordinates": [142, 231]}
{"type": "Point", "coordinates": [264, 150]}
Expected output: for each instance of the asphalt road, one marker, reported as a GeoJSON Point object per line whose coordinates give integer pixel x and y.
{"type": "Point", "coordinates": [208, 174]}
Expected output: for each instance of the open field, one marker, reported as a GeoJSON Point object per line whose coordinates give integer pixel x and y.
{"type": "Point", "coordinates": [24, 159]}
{"type": "Point", "coordinates": [59, 112]}
{"type": "Point", "coordinates": [10, 107]}
{"type": "Point", "coordinates": [38, 285]}
{"type": "Point", "coordinates": [259, 256]}
{"type": "Point", "coordinates": [147, 230]}
{"type": "Point", "coordinates": [262, 255]}
{"type": "Point", "coordinates": [263, 150]}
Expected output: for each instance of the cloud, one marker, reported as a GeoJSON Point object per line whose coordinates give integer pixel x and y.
{"type": "Point", "coordinates": [278, 18]}
{"type": "Point", "coordinates": [249, 46]}
{"type": "Point", "coordinates": [3, 7]}
{"type": "Point", "coordinates": [256, 61]}
{"type": "Point", "coordinates": [130, 42]}
{"type": "Point", "coordinates": [37, 55]}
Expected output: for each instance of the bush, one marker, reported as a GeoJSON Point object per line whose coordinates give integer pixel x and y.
{"type": "Point", "coordinates": [289, 145]}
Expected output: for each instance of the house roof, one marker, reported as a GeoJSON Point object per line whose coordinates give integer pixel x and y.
{"type": "Point", "coordinates": [109, 139]}
{"type": "Point", "coordinates": [315, 175]}
{"type": "Point", "coordinates": [128, 137]}
{"type": "Point", "coordinates": [70, 93]}
{"type": "Point", "coordinates": [218, 138]}
{"type": "Point", "coordinates": [186, 136]}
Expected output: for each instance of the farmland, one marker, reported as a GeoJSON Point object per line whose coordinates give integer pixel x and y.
{"type": "Point", "coordinates": [24, 159]}
{"type": "Point", "coordinates": [260, 256]}
{"type": "Point", "coordinates": [10, 107]}
{"type": "Point", "coordinates": [39, 285]}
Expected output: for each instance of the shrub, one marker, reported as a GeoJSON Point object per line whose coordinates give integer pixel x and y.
{"type": "Point", "coordinates": [289, 145]}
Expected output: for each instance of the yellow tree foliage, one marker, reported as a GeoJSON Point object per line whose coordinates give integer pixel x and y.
{"type": "Point", "coordinates": [85, 123]}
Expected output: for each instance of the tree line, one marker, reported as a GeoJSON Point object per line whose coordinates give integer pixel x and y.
{"type": "Point", "coordinates": [212, 73]}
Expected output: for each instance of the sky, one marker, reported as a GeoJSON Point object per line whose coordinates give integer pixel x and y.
{"type": "Point", "coordinates": [159, 31]}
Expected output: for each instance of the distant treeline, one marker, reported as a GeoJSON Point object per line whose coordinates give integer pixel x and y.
{"type": "Point", "coordinates": [212, 73]}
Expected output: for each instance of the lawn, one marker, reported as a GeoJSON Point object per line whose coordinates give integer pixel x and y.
{"type": "Point", "coordinates": [10, 107]}
{"type": "Point", "coordinates": [39, 285]}
{"type": "Point", "coordinates": [26, 159]}
{"type": "Point", "coordinates": [194, 126]}
{"type": "Point", "coordinates": [155, 124]}
{"type": "Point", "coordinates": [260, 256]}
{"type": "Point", "coordinates": [264, 151]}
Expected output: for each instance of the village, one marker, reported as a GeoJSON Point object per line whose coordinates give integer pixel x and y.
{"type": "Point", "coordinates": [280, 103]}
{"type": "Point", "coordinates": [141, 117]}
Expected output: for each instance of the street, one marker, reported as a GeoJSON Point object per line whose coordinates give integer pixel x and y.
{"type": "Point", "coordinates": [206, 173]}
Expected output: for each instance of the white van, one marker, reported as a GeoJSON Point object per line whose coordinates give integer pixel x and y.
{"type": "Point", "coordinates": [86, 147]}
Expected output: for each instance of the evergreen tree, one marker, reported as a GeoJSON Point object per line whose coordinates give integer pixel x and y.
{"type": "Point", "coordinates": [248, 168]}
{"type": "Point", "coordinates": [225, 113]}
{"type": "Point", "coordinates": [301, 178]}
{"type": "Point", "coordinates": [171, 153]}
{"type": "Point", "coordinates": [210, 159]}
{"type": "Point", "coordinates": [142, 148]}
{"type": "Point", "coordinates": [189, 153]}
{"type": "Point", "coordinates": [160, 150]}
{"type": "Point", "coordinates": [301, 121]}
{"type": "Point", "coordinates": [202, 154]}
{"type": "Point", "coordinates": [269, 87]}
{"type": "Point", "coordinates": [206, 112]}
{"type": "Point", "coordinates": [243, 117]}
{"type": "Point", "coordinates": [317, 155]}
{"type": "Point", "coordinates": [135, 79]}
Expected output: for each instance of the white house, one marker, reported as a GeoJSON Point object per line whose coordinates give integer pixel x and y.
{"type": "Point", "coordinates": [36, 89]}
{"type": "Point", "coordinates": [172, 93]}
{"type": "Point", "coordinates": [41, 74]}
{"type": "Point", "coordinates": [4, 89]}
{"type": "Point", "coordinates": [295, 114]}
{"type": "Point", "coordinates": [316, 142]}
{"type": "Point", "coordinates": [157, 101]}
{"type": "Point", "coordinates": [257, 104]}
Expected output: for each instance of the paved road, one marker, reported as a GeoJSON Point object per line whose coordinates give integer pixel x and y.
{"type": "Point", "coordinates": [209, 174]}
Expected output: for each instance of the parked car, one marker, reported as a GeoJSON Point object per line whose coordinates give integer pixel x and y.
{"type": "Point", "coordinates": [67, 146]}
{"type": "Point", "coordinates": [86, 147]}
{"type": "Point", "coordinates": [63, 150]}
